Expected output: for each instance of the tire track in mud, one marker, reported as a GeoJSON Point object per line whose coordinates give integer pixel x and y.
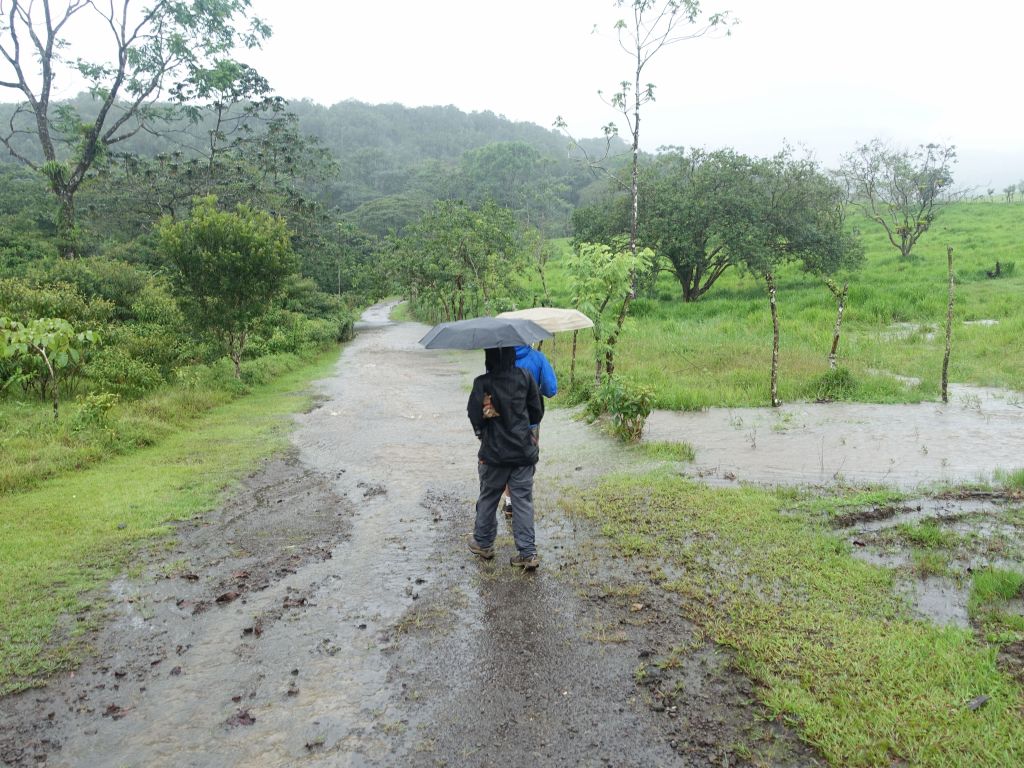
{"type": "Point", "coordinates": [330, 614]}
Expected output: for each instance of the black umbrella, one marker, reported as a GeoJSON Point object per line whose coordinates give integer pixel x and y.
{"type": "Point", "coordinates": [483, 333]}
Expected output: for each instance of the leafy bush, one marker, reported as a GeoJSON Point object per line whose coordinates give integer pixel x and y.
{"type": "Point", "coordinates": [576, 392]}
{"type": "Point", "coordinates": [157, 346]}
{"type": "Point", "coordinates": [834, 384]}
{"type": "Point", "coordinates": [117, 282]}
{"type": "Point", "coordinates": [346, 325]}
{"type": "Point", "coordinates": [93, 410]}
{"type": "Point", "coordinates": [626, 405]}
{"type": "Point", "coordinates": [115, 370]}
{"type": "Point", "coordinates": [24, 300]}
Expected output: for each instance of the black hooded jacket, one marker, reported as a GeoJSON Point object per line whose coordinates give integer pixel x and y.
{"type": "Point", "coordinates": [506, 439]}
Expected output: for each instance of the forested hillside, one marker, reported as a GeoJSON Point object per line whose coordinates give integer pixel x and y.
{"type": "Point", "coordinates": [387, 162]}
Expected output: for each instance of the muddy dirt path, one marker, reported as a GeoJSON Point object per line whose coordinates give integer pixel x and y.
{"type": "Point", "coordinates": [330, 615]}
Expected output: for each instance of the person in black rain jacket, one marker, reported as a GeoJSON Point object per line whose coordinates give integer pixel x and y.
{"type": "Point", "coordinates": [508, 452]}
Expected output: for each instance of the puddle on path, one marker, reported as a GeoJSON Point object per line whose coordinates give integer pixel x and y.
{"type": "Point", "coordinates": [905, 446]}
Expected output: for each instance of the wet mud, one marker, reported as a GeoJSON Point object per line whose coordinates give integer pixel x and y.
{"type": "Point", "coordinates": [330, 615]}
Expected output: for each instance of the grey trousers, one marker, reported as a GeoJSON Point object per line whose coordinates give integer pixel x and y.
{"type": "Point", "coordinates": [493, 480]}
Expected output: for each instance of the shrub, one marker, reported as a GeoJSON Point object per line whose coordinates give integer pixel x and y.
{"type": "Point", "coordinates": [115, 370]}
{"type": "Point", "coordinates": [626, 405]}
{"type": "Point", "coordinates": [93, 410]}
{"type": "Point", "coordinates": [834, 384]}
{"type": "Point", "coordinates": [346, 325]}
{"type": "Point", "coordinates": [157, 346]}
{"type": "Point", "coordinates": [24, 300]}
{"type": "Point", "coordinates": [116, 282]}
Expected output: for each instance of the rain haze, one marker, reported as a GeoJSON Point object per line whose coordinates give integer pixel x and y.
{"type": "Point", "coordinates": [820, 75]}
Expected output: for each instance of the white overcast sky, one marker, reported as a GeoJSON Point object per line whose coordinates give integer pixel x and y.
{"type": "Point", "coordinates": [819, 73]}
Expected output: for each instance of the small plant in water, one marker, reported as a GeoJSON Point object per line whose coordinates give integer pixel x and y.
{"type": "Point", "coordinates": [971, 402]}
{"type": "Point", "coordinates": [626, 405]}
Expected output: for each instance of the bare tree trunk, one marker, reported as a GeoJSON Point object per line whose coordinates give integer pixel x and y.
{"type": "Point", "coordinates": [66, 240]}
{"type": "Point", "coordinates": [572, 364]}
{"type": "Point", "coordinates": [949, 324]}
{"type": "Point", "coordinates": [770, 279]}
{"type": "Point", "coordinates": [840, 306]}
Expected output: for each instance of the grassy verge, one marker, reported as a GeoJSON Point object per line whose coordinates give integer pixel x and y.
{"type": "Point", "coordinates": [823, 634]}
{"type": "Point", "coordinates": [35, 448]}
{"type": "Point", "coordinates": [70, 535]}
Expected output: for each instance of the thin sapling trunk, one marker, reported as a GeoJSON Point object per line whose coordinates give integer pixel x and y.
{"type": "Point", "coordinates": [949, 324]}
{"type": "Point", "coordinates": [770, 279]}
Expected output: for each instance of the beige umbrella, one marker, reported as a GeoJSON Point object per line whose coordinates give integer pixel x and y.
{"type": "Point", "coordinates": [553, 319]}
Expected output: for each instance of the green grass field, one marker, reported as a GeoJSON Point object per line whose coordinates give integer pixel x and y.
{"type": "Point", "coordinates": [112, 507]}
{"type": "Point", "coordinates": [717, 351]}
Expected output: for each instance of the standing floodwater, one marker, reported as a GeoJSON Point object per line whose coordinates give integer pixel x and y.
{"type": "Point", "coordinates": [978, 431]}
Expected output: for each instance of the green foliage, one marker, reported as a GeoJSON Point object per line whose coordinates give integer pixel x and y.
{"type": "Point", "coordinates": [1011, 479]}
{"type": "Point", "coordinates": [229, 266]}
{"type": "Point", "coordinates": [517, 177]}
{"type": "Point", "coordinates": [172, 45]}
{"type": "Point", "coordinates": [93, 411]}
{"type": "Point", "coordinates": [625, 405]}
{"type": "Point", "coordinates": [834, 384]}
{"type": "Point", "coordinates": [458, 262]}
{"type": "Point", "coordinates": [51, 341]}
{"type": "Point", "coordinates": [23, 298]}
{"type": "Point", "coordinates": [115, 370]}
{"type": "Point", "coordinates": [108, 280]}
{"type": "Point", "coordinates": [600, 279]}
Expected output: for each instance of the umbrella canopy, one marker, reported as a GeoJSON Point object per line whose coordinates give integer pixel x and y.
{"type": "Point", "coordinates": [484, 332]}
{"type": "Point", "coordinates": [553, 319]}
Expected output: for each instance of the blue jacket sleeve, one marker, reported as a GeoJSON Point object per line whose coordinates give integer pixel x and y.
{"type": "Point", "coordinates": [548, 384]}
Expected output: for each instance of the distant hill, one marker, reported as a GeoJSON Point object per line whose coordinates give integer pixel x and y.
{"type": "Point", "coordinates": [396, 159]}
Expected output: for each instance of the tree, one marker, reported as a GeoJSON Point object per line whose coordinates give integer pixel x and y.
{"type": "Point", "coordinates": [652, 25]}
{"type": "Point", "coordinates": [1009, 192]}
{"type": "Point", "coordinates": [516, 176]}
{"type": "Point", "coordinates": [694, 204]}
{"type": "Point", "coordinates": [153, 51]}
{"type": "Point", "coordinates": [600, 278]}
{"type": "Point", "coordinates": [229, 266]}
{"type": "Point", "coordinates": [901, 190]}
{"type": "Point", "coordinates": [51, 340]}
{"type": "Point", "coordinates": [798, 215]}
{"type": "Point", "coordinates": [457, 262]}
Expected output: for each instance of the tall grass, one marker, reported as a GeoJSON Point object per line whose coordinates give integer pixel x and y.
{"type": "Point", "coordinates": [716, 351]}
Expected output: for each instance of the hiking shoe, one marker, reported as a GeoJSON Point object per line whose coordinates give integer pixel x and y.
{"type": "Point", "coordinates": [529, 563]}
{"type": "Point", "coordinates": [485, 552]}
